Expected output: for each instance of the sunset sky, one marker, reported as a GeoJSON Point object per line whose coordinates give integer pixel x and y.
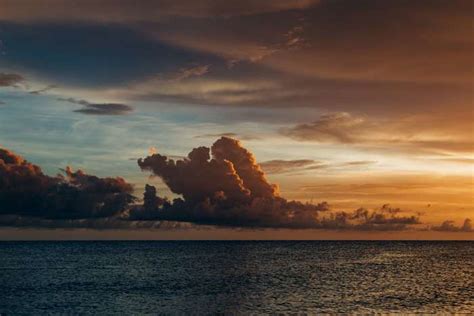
{"type": "Point", "coordinates": [356, 103]}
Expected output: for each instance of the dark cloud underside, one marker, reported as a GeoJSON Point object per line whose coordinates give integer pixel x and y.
{"type": "Point", "coordinates": [25, 190]}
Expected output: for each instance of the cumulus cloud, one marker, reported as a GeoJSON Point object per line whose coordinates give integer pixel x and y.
{"type": "Point", "coordinates": [232, 173]}
{"type": "Point", "coordinates": [449, 226]}
{"type": "Point", "coordinates": [224, 185]}
{"type": "Point", "coordinates": [25, 190]}
{"type": "Point", "coordinates": [99, 108]}
{"type": "Point", "coordinates": [10, 79]}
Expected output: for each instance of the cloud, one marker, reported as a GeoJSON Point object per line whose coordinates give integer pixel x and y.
{"type": "Point", "coordinates": [225, 186]}
{"type": "Point", "coordinates": [449, 226]}
{"type": "Point", "coordinates": [335, 127]}
{"type": "Point", "coordinates": [26, 191]}
{"type": "Point", "coordinates": [45, 89]}
{"type": "Point", "coordinates": [282, 166]}
{"type": "Point", "coordinates": [10, 79]}
{"type": "Point", "coordinates": [222, 185]}
{"type": "Point", "coordinates": [291, 40]}
{"type": "Point", "coordinates": [105, 109]}
{"type": "Point", "coordinates": [436, 35]}
{"type": "Point", "coordinates": [385, 218]}
{"type": "Point", "coordinates": [210, 90]}
{"type": "Point", "coordinates": [304, 166]}
{"type": "Point", "coordinates": [141, 10]}
{"type": "Point", "coordinates": [195, 71]}
{"type": "Point", "coordinates": [232, 173]}
{"type": "Point", "coordinates": [99, 108]}
{"type": "Point", "coordinates": [468, 161]}
{"type": "Point", "coordinates": [415, 134]}
{"type": "Point", "coordinates": [105, 223]}
{"type": "Point", "coordinates": [230, 135]}
{"type": "Point", "coordinates": [359, 163]}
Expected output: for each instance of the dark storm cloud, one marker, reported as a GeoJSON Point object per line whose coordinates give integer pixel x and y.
{"type": "Point", "coordinates": [449, 226]}
{"type": "Point", "coordinates": [225, 186]}
{"type": "Point", "coordinates": [10, 79]}
{"type": "Point", "coordinates": [99, 108]}
{"type": "Point", "coordinates": [25, 190]}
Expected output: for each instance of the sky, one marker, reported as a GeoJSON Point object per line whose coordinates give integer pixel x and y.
{"type": "Point", "coordinates": [364, 105]}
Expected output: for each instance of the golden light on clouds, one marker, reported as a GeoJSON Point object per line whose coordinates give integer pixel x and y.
{"type": "Point", "coordinates": [359, 104]}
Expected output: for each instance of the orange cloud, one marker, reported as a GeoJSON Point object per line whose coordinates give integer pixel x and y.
{"type": "Point", "coordinates": [140, 10]}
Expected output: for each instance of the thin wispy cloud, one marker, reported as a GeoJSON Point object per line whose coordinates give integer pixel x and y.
{"type": "Point", "coordinates": [99, 108]}
{"type": "Point", "coordinates": [45, 89]}
{"type": "Point", "coordinates": [410, 134]}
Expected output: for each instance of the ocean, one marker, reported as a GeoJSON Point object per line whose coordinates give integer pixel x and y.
{"type": "Point", "coordinates": [236, 277]}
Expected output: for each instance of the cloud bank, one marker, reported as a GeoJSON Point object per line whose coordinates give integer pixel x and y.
{"type": "Point", "coordinates": [449, 226]}
{"type": "Point", "coordinates": [224, 185]}
{"type": "Point", "coordinates": [26, 191]}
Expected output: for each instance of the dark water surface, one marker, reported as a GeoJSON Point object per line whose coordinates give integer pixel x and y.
{"type": "Point", "coordinates": [235, 277]}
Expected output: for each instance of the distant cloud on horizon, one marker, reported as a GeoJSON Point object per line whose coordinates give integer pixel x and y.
{"type": "Point", "coordinates": [229, 190]}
